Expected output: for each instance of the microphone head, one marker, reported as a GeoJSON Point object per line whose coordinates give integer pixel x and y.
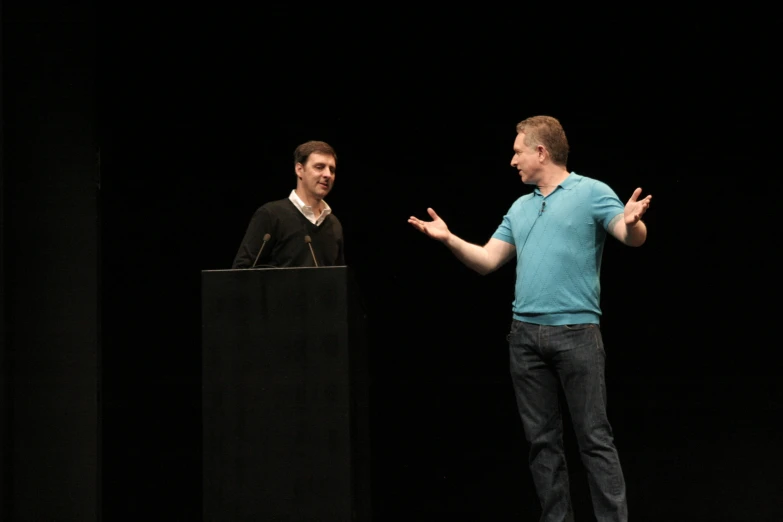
{"type": "Point", "coordinates": [308, 240]}
{"type": "Point", "coordinates": [267, 237]}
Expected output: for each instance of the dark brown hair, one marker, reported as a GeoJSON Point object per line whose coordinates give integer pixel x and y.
{"type": "Point", "coordinates": [304, 150]}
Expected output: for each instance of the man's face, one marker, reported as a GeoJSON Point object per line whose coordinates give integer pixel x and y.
{"type": "Point", "coordinates": [526, 160]}
{"type": "Point", "coordinates": [316, 177]}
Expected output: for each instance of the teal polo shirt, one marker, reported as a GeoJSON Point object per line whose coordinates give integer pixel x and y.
{"type": "Point", "coordinates": [559, 241]}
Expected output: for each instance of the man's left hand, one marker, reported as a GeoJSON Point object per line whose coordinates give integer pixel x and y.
{"type": "Point", "coordinates": [635, 208]}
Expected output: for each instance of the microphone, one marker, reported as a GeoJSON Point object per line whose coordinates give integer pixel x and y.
{"type": "Point", "coordinates": [309, 242]}
{"type": "Point", "coordinates": [267, 237]}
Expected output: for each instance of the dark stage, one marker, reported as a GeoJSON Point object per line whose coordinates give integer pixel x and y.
{"type": "Point", "coordinates": [138, 143]}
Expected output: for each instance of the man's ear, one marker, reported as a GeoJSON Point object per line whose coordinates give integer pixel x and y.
{"type": "Point", "coordinates": [542, 152]}
{"type": "Point", "coordinates": [299, 168]}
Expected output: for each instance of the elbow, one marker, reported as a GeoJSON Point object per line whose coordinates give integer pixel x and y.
{"type": "Point", "coordinates": [635, 241]}
{"type": "Point", "coordinates": [484, 270]}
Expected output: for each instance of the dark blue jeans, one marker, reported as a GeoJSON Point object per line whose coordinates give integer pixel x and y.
{"type": "Point", "coordinates": [544, 358]}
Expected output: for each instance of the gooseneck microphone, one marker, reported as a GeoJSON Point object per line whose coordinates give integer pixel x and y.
{"type": "Point", "coordinates": [309, 242]}
{"type": "Point", "coordinates": [267, 237]}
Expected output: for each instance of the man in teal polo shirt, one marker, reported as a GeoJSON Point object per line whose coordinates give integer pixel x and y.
{"type": "Point", "coordinates": [557, 233]}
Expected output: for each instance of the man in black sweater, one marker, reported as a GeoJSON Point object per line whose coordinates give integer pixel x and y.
{"type": "Point", "coordinates": [299, 230]}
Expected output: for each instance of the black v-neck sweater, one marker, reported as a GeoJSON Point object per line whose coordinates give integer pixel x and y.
{"type": "Point", "coordinates": [286, 247]}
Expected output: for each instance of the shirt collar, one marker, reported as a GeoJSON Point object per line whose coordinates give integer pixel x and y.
{"type": "Point", "coordinates": [570, 181]}
{"type": "Point", "coordinates": [566, 184]}
{"type": "Point", "coordinates": [307, 210]}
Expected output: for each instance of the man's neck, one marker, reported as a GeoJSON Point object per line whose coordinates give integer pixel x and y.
{"type": "Point", "coordinates": [316, 204]}
{"type": "Point", "coordinates": [551, 179]}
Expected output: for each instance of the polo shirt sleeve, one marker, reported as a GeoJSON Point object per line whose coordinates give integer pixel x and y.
{"type": "Point", "coordinates": [504, 232]}
{"type": "Point", "coordinates": [606, 204]}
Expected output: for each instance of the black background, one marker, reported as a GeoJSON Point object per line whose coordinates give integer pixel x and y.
{"type": "Point", "coordinates": [198, 111]}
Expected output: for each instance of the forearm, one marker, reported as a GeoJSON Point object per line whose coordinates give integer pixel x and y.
{"type": "Point", "coordinates": [473, 256]}
{"type": "Point", "coordinates": [636, 234]}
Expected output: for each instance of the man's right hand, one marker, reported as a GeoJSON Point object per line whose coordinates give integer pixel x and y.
{"type": "Point", "coordinates": [436, 228]}
{"type": "Point", "coordinates": [483, 260]}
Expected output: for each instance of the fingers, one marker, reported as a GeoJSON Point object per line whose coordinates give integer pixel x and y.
{"type": "Point", "coordinates": [637, 193]}
{"type": "Point", "coordinates": [639, 207]}
{"type": "Point", "coordinates": [643, 206]}
{"type": "Point", "coordinates": [417, 224]}
{"type": "Point", "coordinates": [423, 226]}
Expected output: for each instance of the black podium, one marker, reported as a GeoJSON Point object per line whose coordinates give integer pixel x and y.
{"type": "Point", "coordinates": [285, 394]}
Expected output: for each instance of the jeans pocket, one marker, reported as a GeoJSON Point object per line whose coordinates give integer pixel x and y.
{"type": "Point", "coordinates": [516, 326]}
{"type": "Point", "coordinates": [576, 327]}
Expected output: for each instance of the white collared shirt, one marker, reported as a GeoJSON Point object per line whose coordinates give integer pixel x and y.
{"type": "Point", "coordinates": [307, 210]}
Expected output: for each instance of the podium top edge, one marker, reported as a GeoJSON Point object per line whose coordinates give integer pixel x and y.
{"type": "Point", "coordinates": [269, 268]}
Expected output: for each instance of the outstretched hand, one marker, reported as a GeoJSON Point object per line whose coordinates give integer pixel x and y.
{"type": "Point", "coordinates": [634, 210]}
{"type": "Point", "coordinates": [436, 228]}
